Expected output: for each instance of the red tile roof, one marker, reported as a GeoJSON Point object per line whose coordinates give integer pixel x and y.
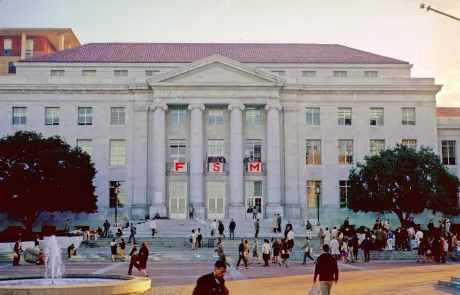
{"type": "Point", "coordinates": [190, 52]}
{"type": "Point", "coordinates": [447, 112]}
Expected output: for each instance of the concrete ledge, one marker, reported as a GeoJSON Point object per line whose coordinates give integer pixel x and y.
{"type": "Point", "coordinates": [128, 284]}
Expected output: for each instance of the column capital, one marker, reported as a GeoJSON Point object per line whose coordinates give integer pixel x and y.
{"type": "Point", "coordinates": [201, 107]}
{"type": "Point", "coordinates": [158, 106]}
{"type": "Point", "coordinates": [276, 106]}
{"type": "Point", "coordinates": [236, 106]}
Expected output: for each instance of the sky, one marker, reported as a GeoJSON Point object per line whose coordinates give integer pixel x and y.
{"type": "Point", "coordinates": [394, 28]}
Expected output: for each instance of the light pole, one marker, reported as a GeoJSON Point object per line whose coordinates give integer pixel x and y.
{"type": "Point", "coordinates": [422, 6]}
{"type": "Point", "coordinates": [117, 191]}
{"type": "Point", "coordinates": [318, 193]}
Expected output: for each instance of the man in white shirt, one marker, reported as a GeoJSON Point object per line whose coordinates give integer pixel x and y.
{"type": "Point", "coordinates": [153, 227]}
{"type": "Point", "coordinates": [387, 225]}
{"type": "Point", "coordinates": [334, 232]}
{"type": "Point", "coordinates": [419, 236]}
{"type": "Point", "coordinates": [290, 237]}
{"type": "Point", "coordinates": [448, 226]}
{"type": "Point", "coordinates": [213, 227]}
{"type": "Point", "coordinates": [266, 252]}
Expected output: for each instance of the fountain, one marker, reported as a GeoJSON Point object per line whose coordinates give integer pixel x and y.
{"type": "Point", "coordinates": [56, 282]}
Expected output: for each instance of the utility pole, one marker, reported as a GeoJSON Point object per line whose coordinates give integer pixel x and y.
{"type": "Point", "coordinates": [422, 6]}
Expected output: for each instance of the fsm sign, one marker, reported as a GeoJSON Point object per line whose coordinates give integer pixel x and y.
{"type": "Point", "coordinates": [255, 167]}
{"type": "Point", "coordinates": [180, 167]}
{"type": "Point", "coordinates": [216, 167]}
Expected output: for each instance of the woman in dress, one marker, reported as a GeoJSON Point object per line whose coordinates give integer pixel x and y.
{"type": "Point", "coordinates": [142, 259]}
{"type": "Point", "coordinates": [255, 251]}
{"type": "Point", "coordinates": [327, 236]}
{"type": "Point", "coordinates": [276, 250]}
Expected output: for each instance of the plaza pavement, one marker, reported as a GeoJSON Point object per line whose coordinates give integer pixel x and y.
{"type": "Point", "coordinates": [376, 277]}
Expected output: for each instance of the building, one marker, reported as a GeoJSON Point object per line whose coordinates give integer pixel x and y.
{"type": "Point", "coordinates": [21, 43]}
{"type": "Point", "coordinates": [225, 127]}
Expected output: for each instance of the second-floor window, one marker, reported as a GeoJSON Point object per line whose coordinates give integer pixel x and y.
{"type": "Point", "coordinates": [370, 74]}
{"type": "Point", "coordinates": [216, 116]}
{"type": "Point", "coordinates": [29, 47]}
{"type": "Point", "coordinates": [313, 155]}
{"type": "Point", "coordinates": [120, 73]}
{"type": "Point", "coordinates": [85, 145]}
{"type": "Point", "coordinates": [215, 147]}
{"type": "Point", "coordinates": [448, 152]}
{"type": "Point", "coordinates": [344, 116]}
{"type": "Point", "coordinates": [177, 115]}
{"type": "Point", "coordinates": [408, 116]}
{"type": "Point", "coordinates": [88, 73]}
{"type": "Point", "coordinates": [253, 116]}
{"type": "Point", "coordinates": [7, 47]}
{"type": "Point", "coordinates": [117, 152]}
{"type": "Point", "coordinates": [376, 145]}
{"type": "Point", "coordinates": [85, 116]}
{"type": "Point", "coordinates": [177, 150]}
{"type": "Point", "coordinates": [19, 116]}
{"type": "Point", "coordinates": [345, 151]}
{"type": "Point", "coordinates": [253, 151]}
{"type": "Point", "coordinates": [313, 116]}
{"type": "Point", "coordinates": [340, 74]}
{"type": "Point", "coordinates": [310, 74]}
{"type": "Point", "coordinates": [410, 143]}
{"type": "Point", "coordinates": [117, 116]}
{"type": "Point", "coordinates": [376, 116]}
{"type": "Point", "coordinates": [57, 73]}
{"type": "Point", "coordinates": [52, 116]}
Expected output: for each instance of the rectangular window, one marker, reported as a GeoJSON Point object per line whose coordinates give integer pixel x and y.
{"type": "Point", "coordinates": [313, 155]}
{"type": "Point", "coordinates": [313, 116]}
{"type": "Point", "coordinates": [340, 74]}
{"type": "Point", "coordinates": [376, 116]}
{"type": "Point", "coordinates": [117, 152]}
{"type": "Point", "coordinates": [177, 149]}
{"type": "Point", "coordinates": [310, 74]}
{"type": "Point", "coordinates": [252, 116]}
{"type": "Point", "coordinates": [57, 73]}
{"type": "Point", "coordinates": [257, 192]}
{"type": "Point", "coordinates": [215, 147]}
{"type": "Point", "coordinates": [215, 116]}
{"type": "Point", "coordinates": [312, 195]}
{"type": "Point", "coordinates": [52, 116]}
{"type": "Point", "coordinates": [177, 197]}
{"type": "Point", "coordinates": [177, 115]}
{"type": "Point", "coordinates": [85, 145]}
{"type": "Point", "coordinates": [410, 143]}
{"type": "Point", "coordinates": [344, 186]}
{"type": "Point", "coordinates": [151, 73]}
{"type": "Point", "coordinates": [345, 151]}
{"type": "Point", "coordinates": [117, 116]}
{"type": "Point", "coordinates": [120, 73]}
{"type": "Point", "coordinates": [216, 189]}
{"type": "Point", "coordinates": [19, 116]}
{"type": "Point", "coordinates": [448, 152]}
{"type": "Point", "coordinates": [279, 73]}
{"type": "Point", "coordinates": [376, 146]}
{"type": "Point", "coordinates": [7, 47]}
{"type": "Point", "coordinates": [370, 74]}
{"type": "Point", "coordinates": [29, 47]}
{"type": "Point", "coordinates": [408, 116]}
{"type": "Point", "coordinates": [85, 116]}
{"type": "Point", "coordinates": [89, 73]}
{"type": "Point", "coordinates": [254, 191]}
{"type": "Point", "coordinates": [253, 152]}
{"type": "Point", "coordinates": [344, 116]}
{"type": "Point", "coordinates": [11, 68]}
{"type": "Point", "coordinates": [117, 193]}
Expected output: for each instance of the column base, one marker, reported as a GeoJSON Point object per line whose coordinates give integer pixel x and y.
{"type": "Point", "coordinates": [236, 211]}
{"type": "Point", "coordinates": [273, 209]}
{"type": "Point", "coordinates": [158, 208]}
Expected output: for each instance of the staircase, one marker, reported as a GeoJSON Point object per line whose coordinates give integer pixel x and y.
{"type": "Point", "coordinates": [454, 283]}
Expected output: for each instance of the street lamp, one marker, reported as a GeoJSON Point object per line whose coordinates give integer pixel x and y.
{"type": "Point", "coordinates": [116, 191]}
{"type": "Point", "coordinates": [422, 6]}
{"type": "Point", "coordinates": [318, 193]}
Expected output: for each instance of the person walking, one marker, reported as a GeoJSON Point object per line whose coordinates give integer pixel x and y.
{"type": "Point", "coordinates": [284, 248]}
{"type": "Point", "coordinates": [199, 238]}
{"type": "Point", "coordinates": [255, 211]}
{"type": "Point", "coordinates": [122, 249]}
{"type": "Point", "coordinates": [418, 236]}
{"type": "Point", "coordinates": [266, 252]}
{"type": "Point", "coordinates": [214, 282]}
{"type": "Point", "coordinates": [448, 226]}
{"type": "Point", "coordinates": [444, 247]}
{"type": "Point", "coordinates": [327, 271]}
{"type": "Point", "coordinates": [354, 244]}
{"type": "Point", "coordinates": [290, 237]}
{"type": "Point", "coordinates": [288, 228]}
{"type": "Point", "coordinates": [142, 259]}
{"type": "Point", "coordinates": [153, 227]}
{"type": "Point", "coordinates": [133, 253]}
{"type": "Point", "coordinates": [274, 223]}
{"type": "Point", "coordinates": [106, 227]}
{"type": "Point", "coordinates": [279, 222]}
{"type": "Point", "coordinates": [389, 237]}
{"type": "Point", "coordinates": [335, 248]}
{"type": "Point", "coordinates": [192, 239]}
{"type": "Point", "coordinates": [241, 255]}
{"type": "Point", "coordinates": [220, 252]}
{"type": "Point", "coordinates": [309, 227]}
{"type": "Point", "coordinates": [221, 229]}
{"type": "Point", "coordinates": [256, 227]}
{"type": "Point", "coordinates": [191, 211]}
{"type": "Point", "coordinates": [421, 251]}
{"type": "Point", "coordinates": [366, 245]}
{"type": "Point", "coordinates": [16, 256]}
{"type": "Point", "coordinates": [213, 228]}
{"type": "Point", "coordinates": [132, 231]}
{"type": "Point", "coordinates": [327, 237]}
{"type": "Point", "coordinates": [232, 227]}
{"type": "Point", "coordinates": [113, 249]}
{"type": "Point", "coordinates": [380, 237]}
{"type": "Point", "coordinates": [255, 251]}
{"type": "Point", "coordinates": [321, 237]}
{"type": "Point", "coordinates": [276, 250]}
{"type": "Point", "coordinates": [308, 250]}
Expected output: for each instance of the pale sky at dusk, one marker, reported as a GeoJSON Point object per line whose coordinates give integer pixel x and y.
{"type": "Point", "coordinates": [394, 28]}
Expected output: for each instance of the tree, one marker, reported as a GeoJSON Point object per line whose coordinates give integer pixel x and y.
{"type": "Point", "coordinates": [40, 174]}
{"type": "Point", "coordinates": [404, 181]}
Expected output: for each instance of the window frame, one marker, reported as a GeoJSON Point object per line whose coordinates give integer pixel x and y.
{"type": "Point", "coordinates": [311, 193]}
{"type": "Point", "coordinates": [344, 185]}
{"type": "Point", "coordinates": [120, 73]}
{"type": "Point", "coordinates": [86, 145]}
{"type": "Point", "coordinates": [410, 143]}
{"type": "Point", "coordinates": [21, 118]}
{"type": "Point", "coordinates": [340, 74]}
{"type": "Point", "coordinates": [216, 148]}
{"type": "Point", "coordinates": [29, 52]}
{"type": "Point", "coordinates": [374, 146]}
{"type": "Point", "coordinates": [371, 74]}
{"type": "Point", "coordinates": [89, 73]}
{"type": "Point", "coordinates": [152, 72]}
{"type": "Point", "coordinates": [178, 145]}
{"type": "Point", "coordinates": [179, 113]}
{"type": "Point", "coordinates": [250, 146]}
{"type": "Point", "coordinates": [85, 116]}
{"type": "Point", "coordinates": [313, 146]}
{"type": "Point", "coordinates": [57, 73]}
{"type": "Point", "coordinates": [54, 117]}
{"type": "Point", "coordinates": [309, 74]}
{"type": "Point", "coordinates": [120, 116]}
{"type": "Point", "coordinates": [343, 121]}
{"type": "Point", "coordinates": [253, 116]}
{"type": "Point", "coordinates": [117, 156]}
{"type": "Point", "coordinates": [451, 158]}
{"type": "Point", "coordinates": [374, 115]}
{"type": "Point", "coordinates": [405, 117]}
{"type": "Point", "coordinates": [216, 119]}
{"type": "Point", "coordinates": [7, 51]}
{"type": "Point", "coordinates": [347, 156]}
{"type": "Point", "coordinates": [310, 120]}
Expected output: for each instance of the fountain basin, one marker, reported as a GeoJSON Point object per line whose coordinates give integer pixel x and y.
{"type": "Point", "coordinates": [79, 284]}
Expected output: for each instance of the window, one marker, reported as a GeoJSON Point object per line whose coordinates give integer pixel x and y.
{"type": "Point", "coordinates": [85, 116]}
{"type": "Point", "coordinates": [216, 195]}
{"type": "Point", "coordinates": [29, 47]}
{"type": "Point", "coordinates": [410, 143]}
{"type": "Point", "coordinates": [151, 73]}
{"type": "Point", "coordinates": [344, 186]}
{"type": "Point", "coordinates": [345, 151]}
{"type": "Point", "coordinates": [52, 116]}
{"type": "Point", "coordinates": [177, 197]}
{"type": "Point", "coordinates": [253, 152]}
{"type": "Point", "coordinates": [344, 116]}
{"type": "Point", "coordinates": [117, 116]}
{"type": "Point", "coordinates": [177, 149]}
{"type": "Point", "coordinates": [254, 192]}
{"type": "Point", "coordinates": [89, 73]}
{"type": "Point", "coordinates": [215, 147]}
{"type": "Point", "coordinates": [85, 145]}
{"type": "Point", "coordinates": [257, 192]}
{"type": "Point", "coordinates": [117, 152]}
{"type": "Point", "coordinates": [117, 193]}
{"type": "Point", "coordinates": [448, 152]}
{"type": "Point", "coordinates": [253, 116]}
{"type": "Point", "coordinates": [310, 74]}
{"type": "Point", "coordinates": [408, 116]}
{"type": "Point", "coordinates": [7, 47]}
{"type": "Point", "coordinates": [120, 73]}
{"type": "Point", "coordinates": [340, 74]}
{"type": "Point", "coordinates": [376, 146]}
{"type": "Point", "coordinates": [312, 194]}
{"type": "Point", "coordinates": [177, 115]}
{"type": "Point", "coordinates": [11, 68]}
{"type": "Point", "coordinates": [19, 116]}
{"type": "Point", "coordinates": [216, 116]}
{"type": "Point", "coordinates": [279, 73]}
{"type": "Point", "coordinates": [313, 155]}
{"type": "Point", "coordinates": [57, 73]}
{"type": "Point", "coordinates": [370, 74]}
{"type": "Point", "coordinates": [376, 116]}
{"type": "Point", "coordinates": [313, 117]}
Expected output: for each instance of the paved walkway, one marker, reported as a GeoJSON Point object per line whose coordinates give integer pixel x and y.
{"type": "Point", "coordinates": [376, 278]}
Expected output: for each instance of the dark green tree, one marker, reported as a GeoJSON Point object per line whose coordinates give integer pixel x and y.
{"type": "Point", "coordinates": [404, 181]}
{"type": "Point", "coordinates": [39, 174]}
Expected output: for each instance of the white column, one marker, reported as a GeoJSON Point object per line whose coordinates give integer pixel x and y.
{"type": "Point", "coordinates": [61, 41]}
{"type": "Point", "coordinates": [236, 196]}
{"type": "Point", "coordinates": [196, 158]}
{"type": "Point", "coordinates": [158, 160]}
{"type": "Point", "coordinates": [273, 160]}
{"type": "Point", "coordinates": [140, 167]}
{"type": "Point", "coordinates": [23, 45]}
